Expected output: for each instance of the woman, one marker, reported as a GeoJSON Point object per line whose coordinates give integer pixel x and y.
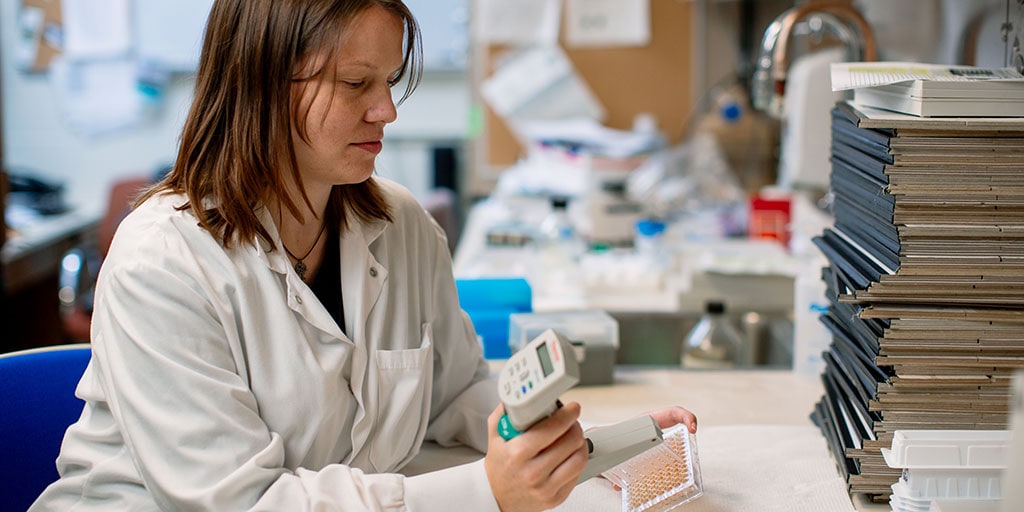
{"type": "Point", "coordinates": [274, 328]}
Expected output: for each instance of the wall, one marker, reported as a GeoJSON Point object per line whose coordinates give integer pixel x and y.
{"type": "Point", "coordinates": [36, 137]}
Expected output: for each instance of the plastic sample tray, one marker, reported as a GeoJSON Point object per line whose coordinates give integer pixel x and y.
{"type": "Point", "coordinates": [662, 478]}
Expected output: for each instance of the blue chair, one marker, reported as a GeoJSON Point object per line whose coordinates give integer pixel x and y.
{"type": "Point", "coordinates": [490, 302]}
{"type": "Point", "coordinates": [37, 403]}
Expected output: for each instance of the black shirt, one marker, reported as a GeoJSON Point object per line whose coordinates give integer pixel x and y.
{"type": "Point", "coordinates": [326, 284]}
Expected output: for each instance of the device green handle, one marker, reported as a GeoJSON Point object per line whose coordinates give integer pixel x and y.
{"type": "Point", "coordinates": [505, 428]}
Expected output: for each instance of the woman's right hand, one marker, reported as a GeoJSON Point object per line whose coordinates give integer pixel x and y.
{"type": "Point", "coordinates": [537, 469]}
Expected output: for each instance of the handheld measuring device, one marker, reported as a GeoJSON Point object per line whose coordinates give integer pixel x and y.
{"type": "Point", "coordinates": [533, 379]}
{"type": "Point", "coordinates": [529, 386]}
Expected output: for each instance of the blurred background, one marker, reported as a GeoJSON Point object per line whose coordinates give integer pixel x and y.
{"type": "Point", "coordinates": [658, 93]}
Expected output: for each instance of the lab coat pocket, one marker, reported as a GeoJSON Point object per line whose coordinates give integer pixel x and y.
{"type": "Point", "coordinates": [403, 401]}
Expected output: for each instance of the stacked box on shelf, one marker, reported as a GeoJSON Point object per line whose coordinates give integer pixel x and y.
{"type": "Point", "coordinates": [926, 280]}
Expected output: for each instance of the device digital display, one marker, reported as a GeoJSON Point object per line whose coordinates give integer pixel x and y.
{"type": "Point", "coordinates": [545, 359]}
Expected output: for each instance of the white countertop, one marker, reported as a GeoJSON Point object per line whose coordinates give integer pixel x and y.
{"type": "Point", "coordinates": [757, 397]}
{"type": "Point", "coordinates": [758, 449]}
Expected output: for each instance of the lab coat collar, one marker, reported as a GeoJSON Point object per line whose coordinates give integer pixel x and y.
{"type": "Point", "coordinates": [275, 259]}
{"type": "Point", "coordinates": [367, 233]}
{"type": "Point", "coordinates": [301, 298]}
{"type": "Point", "coordinates": [362, 276]}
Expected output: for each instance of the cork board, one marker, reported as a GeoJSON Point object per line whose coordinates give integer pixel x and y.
{"type": "Point", "coordinates": [46, 38]}
{"type": "Point", "coordinates": [627, 81]}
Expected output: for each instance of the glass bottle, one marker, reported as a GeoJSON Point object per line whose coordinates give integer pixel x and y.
{"type": "Point", "coordinates": [714, 342]}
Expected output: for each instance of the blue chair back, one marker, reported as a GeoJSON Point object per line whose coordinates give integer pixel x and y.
{"type": "Point", "coordinates": [37, 404]}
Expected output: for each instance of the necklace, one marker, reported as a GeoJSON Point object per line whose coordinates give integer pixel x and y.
{"type": "Point", "coordinates": [300, 266]}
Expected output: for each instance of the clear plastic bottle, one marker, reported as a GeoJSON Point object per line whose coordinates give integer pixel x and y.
{"type": "Point", "coordinates": [649, 241]}
{"type": "Point", "coordinates": [559, 232]}
{"type": "Point", "coordinates": [714, 342]}
{"type": "Point", "coordinates": [559, 250]}
{"type": "Point", "coordinates": [557, 226]}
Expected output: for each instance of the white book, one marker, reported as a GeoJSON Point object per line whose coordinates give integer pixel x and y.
{"type": "Point", "coordinates": [854, 75]}
{"type": "Point", "coordinates": [920, 99]}
{"type": "Point", "coordinates": [931, 90]}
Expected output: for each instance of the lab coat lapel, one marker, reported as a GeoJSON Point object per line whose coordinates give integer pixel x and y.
{"type": "Point", "coordinates": [362, 277]}
{"type": "Point", "coordinates": [362, 280]}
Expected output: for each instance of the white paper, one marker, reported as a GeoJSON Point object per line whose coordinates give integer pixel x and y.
{"type": "Point", "coordinates": [854, 75]}
{"type": "Point", "coordinates": [170, 34]}
{"type": "Point", "coordinates": [592, 23]}
{"type": "Point", "coordinates": [517, 22]}
{"type": "Point", "coordinates": [593, 137]}
{"type": "Point", "coordinates": [97, 96]}
{"type": "Point", "coordinates": [96, 28]}
{"type": "Point", "coordinates": [539, 84]}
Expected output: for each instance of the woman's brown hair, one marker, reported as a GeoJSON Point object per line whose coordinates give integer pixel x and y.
{"type": "Point", "coordinates": [237, 136]}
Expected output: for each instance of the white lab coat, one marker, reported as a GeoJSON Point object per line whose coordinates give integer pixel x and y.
{"type": "Point", "coordinates": [219, 381]}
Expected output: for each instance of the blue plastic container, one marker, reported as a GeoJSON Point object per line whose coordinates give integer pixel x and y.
{"type": "Point", "coordinates": [489, 302]}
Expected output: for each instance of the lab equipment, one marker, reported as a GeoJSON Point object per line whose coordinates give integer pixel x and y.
{"type": "Point", "coordinates": [613, 444]}
{"type": "Point", "coordinates": [532, 380]}
{"type": "Point", "coordinates": [611, 212]}
{"type": "Point", "coordinates": [529, 386]}
{"type": "Point", "coordinates": [714, 342]}
{"type": "Point", "coordinates": [687, 180]}
{"type": "Point", "coordinates": [663, 477]}
{"type": "Point", "coordinates": [798, 93]}
{"type": "Point", "coordinates": [844, 21]}
{"type": "Point", "coordinates": [594, 333]}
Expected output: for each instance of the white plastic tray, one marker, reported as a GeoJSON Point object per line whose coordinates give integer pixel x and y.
{"type": "Point", "coordinates": [900, 503]}
{"type": "Point", "coordinates": [951, 483]}
{"type": "Point", "coordinates": [964, 505]}
{"type": "Point", "coordinates": [948, 449]}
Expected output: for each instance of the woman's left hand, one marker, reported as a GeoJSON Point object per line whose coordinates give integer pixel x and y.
{"type": "Point", "coordinates": [666, 418]}
{"type": "Point", "coordinates": [673, 415]}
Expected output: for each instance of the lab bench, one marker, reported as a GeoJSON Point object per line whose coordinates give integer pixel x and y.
{"type": "Point", "coordinates": [757, 447]}
{"type": "Point", "coordinates": [753, 278]}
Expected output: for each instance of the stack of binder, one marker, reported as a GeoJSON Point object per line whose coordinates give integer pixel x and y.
{"type": "Point", "coordinates": [926, 282]}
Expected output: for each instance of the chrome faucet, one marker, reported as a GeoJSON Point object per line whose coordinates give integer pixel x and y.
{"type": "Point", "coordinates": [769, 83]}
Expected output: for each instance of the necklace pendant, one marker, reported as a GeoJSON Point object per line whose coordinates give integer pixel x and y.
{"type": "Point", "coordinates": [300, 267]}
